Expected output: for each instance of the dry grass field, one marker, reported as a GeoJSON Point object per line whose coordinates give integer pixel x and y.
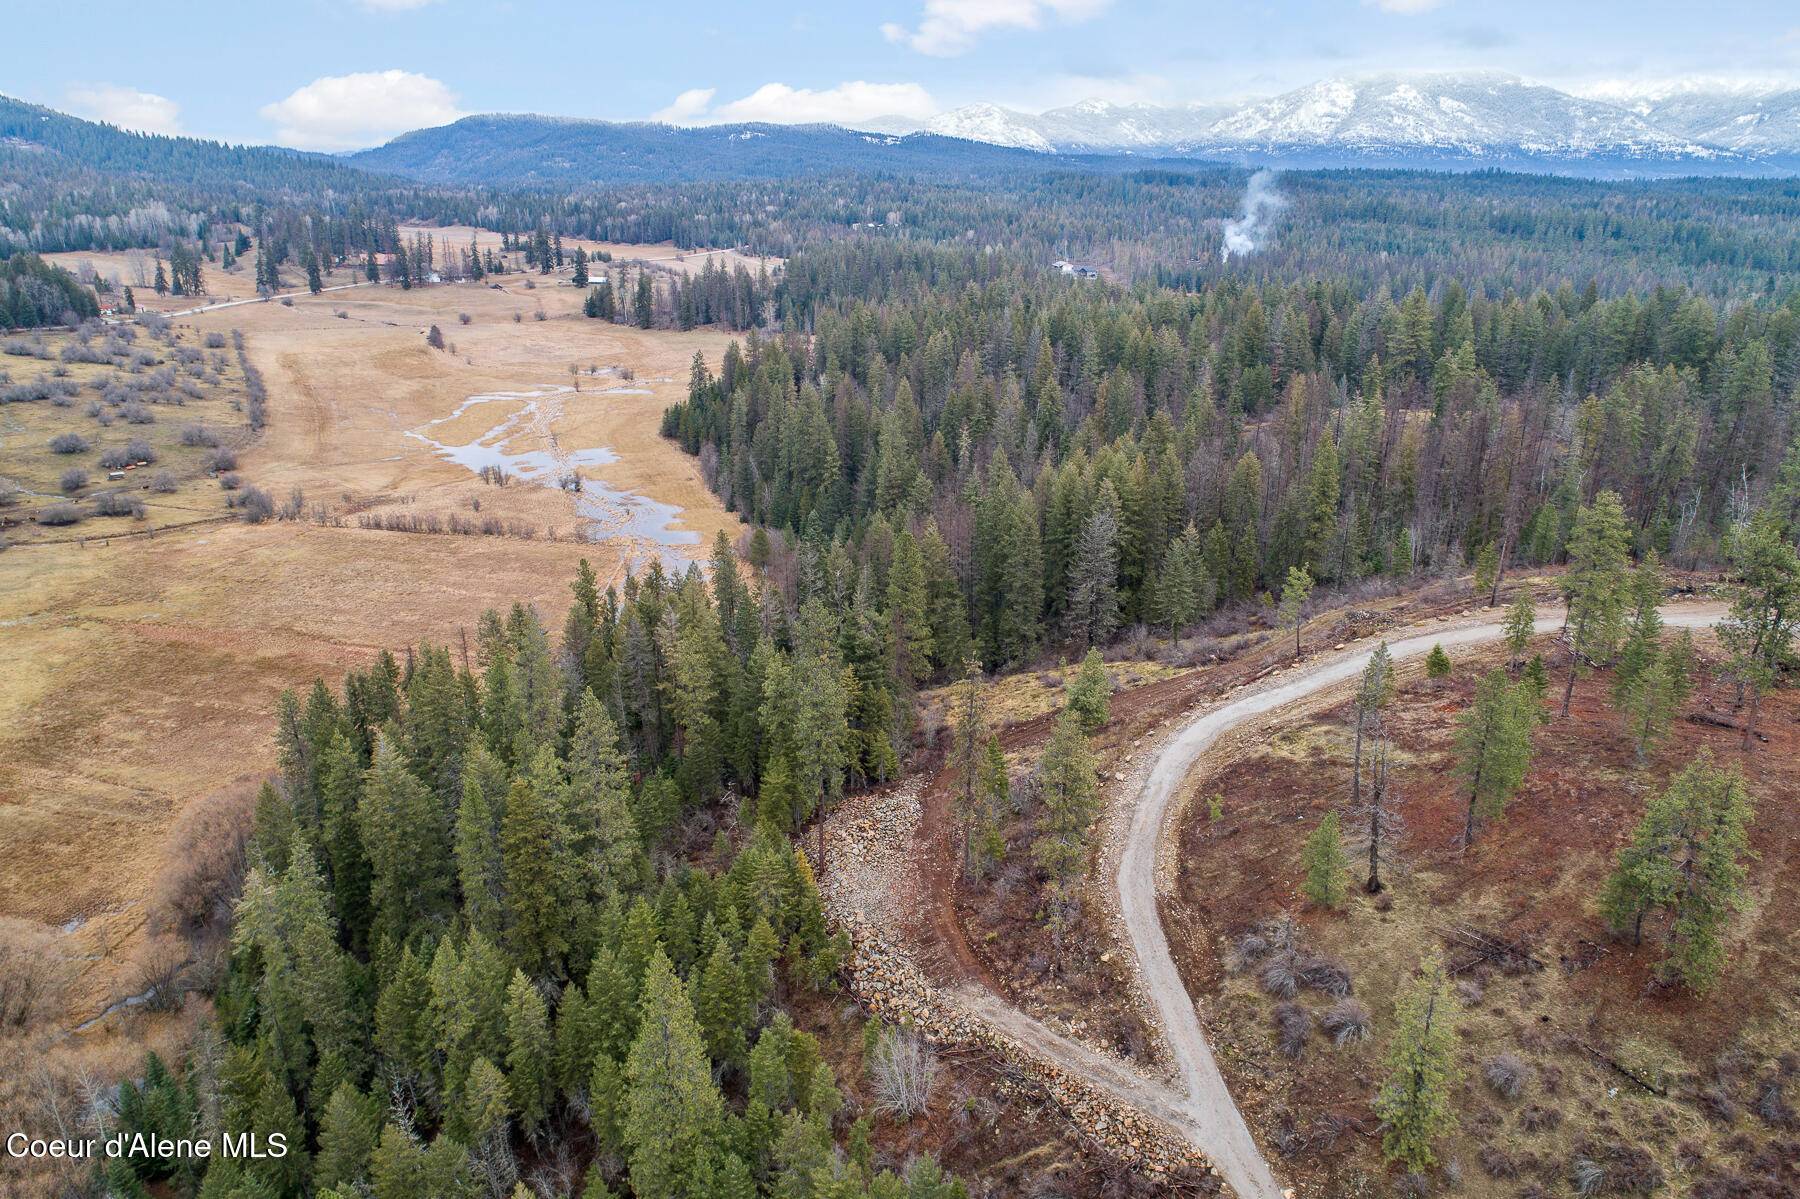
{"type": "Point", "coordinates": [139, 674]}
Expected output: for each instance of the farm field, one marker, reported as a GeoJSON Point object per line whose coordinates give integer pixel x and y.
{"type": "Point", "coordinates": [140, 672]}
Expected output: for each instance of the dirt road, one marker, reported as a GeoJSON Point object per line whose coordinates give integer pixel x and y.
{"type": "Point", "coordinates": [1145, 869]}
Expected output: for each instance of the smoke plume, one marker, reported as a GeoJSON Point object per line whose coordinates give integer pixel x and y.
{"type": "Point", "coordinates": [1250, 231]}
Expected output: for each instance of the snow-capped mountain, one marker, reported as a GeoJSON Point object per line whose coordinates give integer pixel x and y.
{"type": "Point", "coordinates": [1458, 114]}
{"type": "Point", "coordinates": [1755, 123]}
{"type": "Point", "coordinates": [992, 124]}
{"type": "Point", "coordinates": [1456, 117]}
{"type": "Point", "coordinates": [1090, 126]}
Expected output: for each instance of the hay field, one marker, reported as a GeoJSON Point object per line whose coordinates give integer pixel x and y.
{"type": "Point", "coordinates": [140, 675]}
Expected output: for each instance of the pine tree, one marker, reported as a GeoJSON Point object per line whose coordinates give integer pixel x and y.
{"type": "Point", "coordinates": [1758, 633]}
{"type": "Point", "coordinates": [1414, 1106]}
{"type": "Point", "coordinates": [1323, 861]}
{"type": "Point", "coordinates": [1487, 570]}
{"type": "Point", "coordinates": [1519, 625]}
{"type": "Point", "coordinates": [1092, 614]}
{"type": "Point", "coordinates": [907, 609]}
{"type": "Point", "coordinates": [348, 1131]}
{"type": "Point", "coordinates": [1090, 693]}
{"type": "Point", "coordinates": [603, 836]}
{"type": "Point", "coordinates": [1493, 748]}
{"type": "Point", "coordinates": [537, 876]}
{"type": "Point", "coordinates": [674, 1113]}
{"type": "Point", "coordinates": [1184, 588]}
{"type": "Point", "coordinates": [993, 792]}
{"type": "Point", "coordinates": [487, 1104]}
{"type": "Point", "coordinates": [1686, 858]}
{"type": "Point", "coordinates": [527, 1051]}
{"type": "Point", "coordinates": [1294, 593]}
{"type": "Point", "coordinates": [1070, 797]}
{"type": "Point", "coordinates": [1594, 586]}
{"type": "Point", "coordinates": [1373, 694]}
{"type": "Point", "coordinates": [718, 996]}
{"type": "Point", "coordinates": [480, 865]}
{"type": "Point", "coordinates": [408, 842]}
{"type": "Point", "coordinates": [1437, 664]}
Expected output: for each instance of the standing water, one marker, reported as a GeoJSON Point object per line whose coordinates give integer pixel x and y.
{"type": "Point", "coordinates": [609, 514]}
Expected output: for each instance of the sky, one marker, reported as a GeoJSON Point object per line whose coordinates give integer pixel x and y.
{"type": "Point", "coordinates": [336, 75]}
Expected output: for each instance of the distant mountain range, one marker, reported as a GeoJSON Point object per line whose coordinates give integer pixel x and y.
{"type": "Point", "coordinates": [533, 150]}
{"type": "Point", "coordinates": [1432, 121]}
{"type": "Point", "coordinates": [1470, 119]}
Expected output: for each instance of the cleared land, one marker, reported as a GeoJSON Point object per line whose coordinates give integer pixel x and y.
{"type": "Point", "coordinates": [1638, 1080]}
{"type": "Point", "coordinates": [139, 674]}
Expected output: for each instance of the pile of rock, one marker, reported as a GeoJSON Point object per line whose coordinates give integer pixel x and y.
{"type": "Point", "coordinates": [866, 844]}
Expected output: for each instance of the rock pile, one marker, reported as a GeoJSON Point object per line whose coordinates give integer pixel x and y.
{"type": "Point", "coordinates": [866, 843]}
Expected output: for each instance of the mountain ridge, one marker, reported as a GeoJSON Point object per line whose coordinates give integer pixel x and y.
{"type": "Point", "coordinates": [1442, 115]}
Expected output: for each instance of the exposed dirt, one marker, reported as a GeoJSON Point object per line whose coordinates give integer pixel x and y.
{"type": "Point", "coordinates": [1589, 1011]}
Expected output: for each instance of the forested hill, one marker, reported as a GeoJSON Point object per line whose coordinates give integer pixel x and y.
{"type": "Point", "coordinates": [501, 149]}
{"type": "Point", "coordinates": [28, 130]}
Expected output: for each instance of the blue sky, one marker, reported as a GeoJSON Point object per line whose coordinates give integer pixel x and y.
{"type": "Point", "coordinates": [338, 74]}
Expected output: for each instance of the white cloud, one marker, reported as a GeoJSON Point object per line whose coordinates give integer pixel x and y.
{"type": "Point", "coordinates": [128, 108]}
{"type": "Point", "coordinates": [778, 104]}
{"type": "Point", "coordinates": [346, 112]}
{"type": "Point", "coordinates": [688, 106]}
{"type": "Point", "coordinates": [951, 27]}
{"type": "Point", "coordinates": [1407, 7]}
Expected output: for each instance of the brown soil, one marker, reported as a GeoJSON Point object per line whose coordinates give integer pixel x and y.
{"type": "Point", "coordinates": [1530, 879]}
{"type": "Point", "coordinates": [991, 930]}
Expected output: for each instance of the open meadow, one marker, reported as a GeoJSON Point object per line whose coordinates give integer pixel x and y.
{"type": "Point", "coordinates": [142, 661]}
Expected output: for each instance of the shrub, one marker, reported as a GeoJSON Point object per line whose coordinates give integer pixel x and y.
{"type": "Point", "coordinates": [1437, 663]}
{"type": "Point", "coordinates": [140, 450]}
{"type": "Point", "coordinates": [115, 458]}
{"type": "Point", "coordinates": [203, 862]}
{"type": "Point", "coordinates": [162, 966]}
{"type": "Point", "coordinates": [222, 460]}
{"type": "Point", "coordinates": [59, 514]}
{"type": "Point", "coordinates": [215, 341]}
{"type": "Point", "coordinates": [118, 503]}
{"type": "Point", "coordinates": [1346, 1022]}
{"type": "Point", "coordinates": [435, 338]}
{"type": "Point", "coordinates": [138, 414]}
{"type": "Point", "coordinates": [69, 443]}
{"type": "Point", "coordinates": [163, 483]}
{"type": "Point", "coordinates": [73, 479]}
{"type": "Point", "coordinates": [10, 493]}
{"type": "Point", "coordinates": [1278, 976]}
{"type": "Point", "coordinates": [903, 1071]}
{"type": "Point", "coordinates": [32, 978]}
{"type": "Point", "coordinates": [1326, 975]}
{"type": "Point", "coordinates": [1505, 1075]}
{"type": "Point", "coordinates": [255, 506]}
{"type": "Point", "coordinates": [199, 435]}
{"type": "Point", "coordinates": [1293, 1025]}
{"type": "Point", "coordinates": [464, 317]}
{"type": "Point", "coordinates": [230, 481]}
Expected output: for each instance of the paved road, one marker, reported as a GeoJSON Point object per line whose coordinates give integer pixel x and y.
{"type": "Point", "coordinates": [1225, 1137]}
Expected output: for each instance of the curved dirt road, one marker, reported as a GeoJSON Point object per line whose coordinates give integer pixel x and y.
{"type": "Point", "coordinates": [1228, 1141]}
